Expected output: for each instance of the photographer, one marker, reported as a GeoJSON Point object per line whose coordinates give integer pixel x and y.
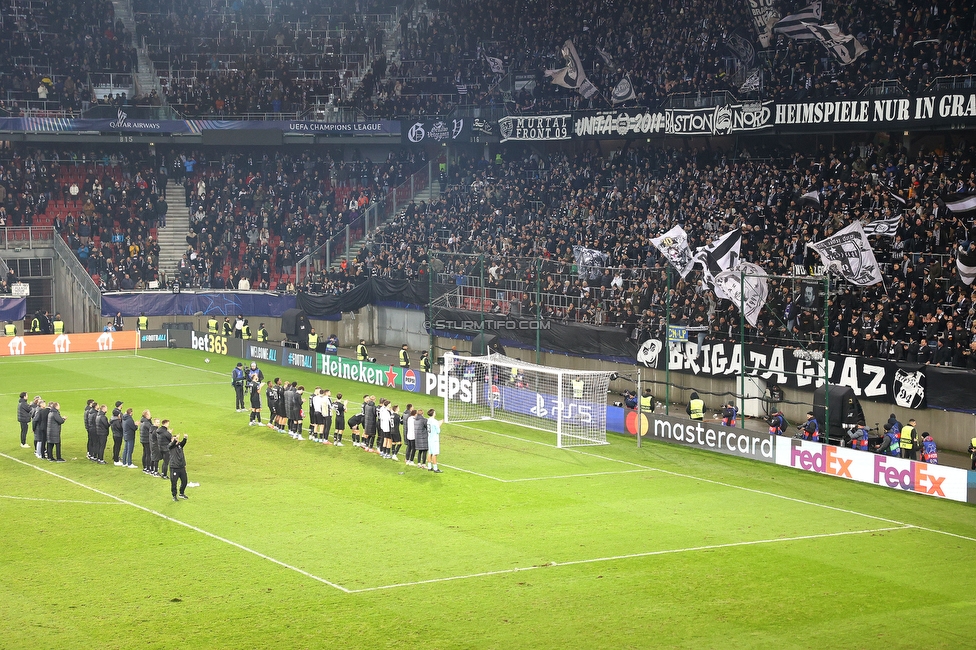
{"type": "Point", "coordinates": [859, 436]}
{"type": "Point", "coordinates": [810, 430]}
{"type": "Point", "coordinates": [777, 422]}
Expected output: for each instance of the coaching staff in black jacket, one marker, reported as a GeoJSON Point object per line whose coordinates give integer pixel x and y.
{"type": "Point", "coordinates": [23, 417]}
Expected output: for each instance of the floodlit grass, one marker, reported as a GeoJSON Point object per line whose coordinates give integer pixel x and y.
{"type": "Point", "coordinates": [517, 544]}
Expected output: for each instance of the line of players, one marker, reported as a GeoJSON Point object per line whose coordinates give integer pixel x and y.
{"type": "Point", "coordinates": [377, 428]}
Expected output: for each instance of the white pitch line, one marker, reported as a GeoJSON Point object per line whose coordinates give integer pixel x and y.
{"type": "Point", "coordinates": [628, 556]}
{"type": "Point", "coordinates": [181, 365]}
{"type": "Point", "coordinates": [546, 478]}
{"type": "Point", "coordinates": [468, 471]}
{"type": "Point", "coordinates": [184, 524]}
{"type": "Point", "coordinates": [61, 357]}
{"type": "Point", "coordinates": [93, 503]}
{"type": "Point", "coordinates": [731, 485]}
{"type": "Point", "coordinates": [41, 391]}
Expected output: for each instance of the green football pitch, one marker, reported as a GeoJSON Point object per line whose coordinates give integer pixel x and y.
{"type": "Point", "coordinates": [289, 544]}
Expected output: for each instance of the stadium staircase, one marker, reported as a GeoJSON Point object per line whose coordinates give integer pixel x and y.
{"type": "Point", "coordinates": [144, 76]}
{"type": "Point", "coordinates": [172, 238]}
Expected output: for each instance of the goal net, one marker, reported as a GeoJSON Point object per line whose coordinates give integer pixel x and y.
{"type": "Point", "coordinates": [570, 403]}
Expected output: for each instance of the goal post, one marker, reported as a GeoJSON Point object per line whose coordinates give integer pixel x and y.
{"type": "Point", "coordinates": [569, 403]}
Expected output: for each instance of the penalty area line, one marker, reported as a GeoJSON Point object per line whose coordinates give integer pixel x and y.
{"type": "Point", "coordinates": [91, 503]}
{"type": "Point", "coordinates": [629, 556]}
{"type": "Point", "coordinates": [184, 524]}
{"type": "Point", "coordinates": [731, 485]}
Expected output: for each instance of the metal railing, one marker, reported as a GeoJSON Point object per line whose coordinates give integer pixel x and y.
{"type": "Point", "coordinates": [339, 245]}
{"type": "Point", "coordinates": [29, 237]}
{"type": "Point", "coordinates": [71, 263]}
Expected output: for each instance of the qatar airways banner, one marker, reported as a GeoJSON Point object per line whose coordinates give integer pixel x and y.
{"type": "Point", "coordinates": [865, 467]}
{"type": "Point", "coordinates": [123, 123]}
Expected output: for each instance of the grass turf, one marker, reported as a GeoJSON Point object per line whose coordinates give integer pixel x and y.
{"type": "Point", "coordinates": [517, 544]}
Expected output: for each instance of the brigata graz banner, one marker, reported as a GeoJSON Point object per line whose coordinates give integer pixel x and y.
{"type": "Point", "coordinates": [874, 379]}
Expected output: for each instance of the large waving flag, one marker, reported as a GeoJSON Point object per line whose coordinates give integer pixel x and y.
{"type": "Point", "coordinates": [849, 253]}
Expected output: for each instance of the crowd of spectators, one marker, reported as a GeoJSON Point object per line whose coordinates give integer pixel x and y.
{"type": "Point", "coordinates": [251, 57]}
{"type": "Point", "coordinates": [49, 48]}
{"type": "Point", "coordinates": [104, 204]}
{"type": "Point", "coordinates": [523, 217]}
{"type": "Point", "coordinates": [254, 215]}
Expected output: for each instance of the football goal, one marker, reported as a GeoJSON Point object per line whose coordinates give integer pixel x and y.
{"type": "Point", "coordinates": [570, 403]}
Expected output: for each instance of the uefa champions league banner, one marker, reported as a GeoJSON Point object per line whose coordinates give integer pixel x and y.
{"type": "Point", "coordinates": [188, 303]}
{"type": "Point", "coordinates": [122, 123]}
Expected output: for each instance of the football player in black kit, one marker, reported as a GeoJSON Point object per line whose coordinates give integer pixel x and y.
{"type": "Point", "coordinates": [339, 410]}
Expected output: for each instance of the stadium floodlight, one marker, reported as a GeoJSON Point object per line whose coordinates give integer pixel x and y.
{"type": "Point", "coordinates": [570, 403]}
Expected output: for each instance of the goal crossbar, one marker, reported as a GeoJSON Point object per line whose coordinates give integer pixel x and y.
{"type": "Point", "coordinates": [570, 403]}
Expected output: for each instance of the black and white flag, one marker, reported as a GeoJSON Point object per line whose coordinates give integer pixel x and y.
{"type": "Point", "coordinates": [961, 205]}
{"type": "Point", "coordinates": [741, 48]}
{"type": "Point", "coordinates": [849, 253]}
{"type": "Point", "coordinates": [893, 193]}
{"type": "Point", "coordinates": [764, 16]}
{"type": "Point", "coordinates": [674, 247]}
{"type": "Point", "coordinates": [966, 263]}
{"type": "Point", "coordinates": [608, 60]}
{"type": "Point", "coordinates": [497, 65]}
{"type": "Point", "coordinates": [753, 81]}
{"type": "Point", "coordinates": [813, 195]}
{"type": "Point", "coordinates": [589, 262]}
{"type": "Point", "coordinates": [883, 227]}
{"type": "Point", "coordinates": [623, 91]}
{"type": "Point", "coordinates": [794, 25]}
{"type": "Point", "coordinates": [747, 287]}
{"type": "Point", "coordinates": [844, 47]}
{"type": "Point", "coordinates": [572, 76]}
{"type": "Point", "coordinates": [587, 89]}
{"type": "Point", "coordinates": [721, 255]}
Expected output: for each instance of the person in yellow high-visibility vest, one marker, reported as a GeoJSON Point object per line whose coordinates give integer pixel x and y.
{"type": "Point", "coordinates": [972, 452]}
{"type": "Point", "coordinates": [262, 333]}
{"type": "Point", "coordinates": [404, 357]}
{"type": "Point", "coordinates": [142, 323]}
{"type": "Point", "coordinates": [212, 324]}
{"type": "Point", "coordinates": [36, 323]}
{"type": "Point", "coordinates": [10, 329]}
{"type": "Point", "coordinates": [578, 388]}
{"type": "Point", "coordinates": [647, 401]}
{"type": "Point", "coordinates": [696, 407]}
{"type": "Point", "coordinates": [313, 340]}
{"type": "Point", "coordinates": [362, 354]}
{"type": "Point", "coordinates": [909, 440]}
{"type": "Point", "coordinates": [246, 331]}
{"type": "Point", "coordinates": [228, 329]}
{"type": "Point", "coordinates": [58, 324]}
